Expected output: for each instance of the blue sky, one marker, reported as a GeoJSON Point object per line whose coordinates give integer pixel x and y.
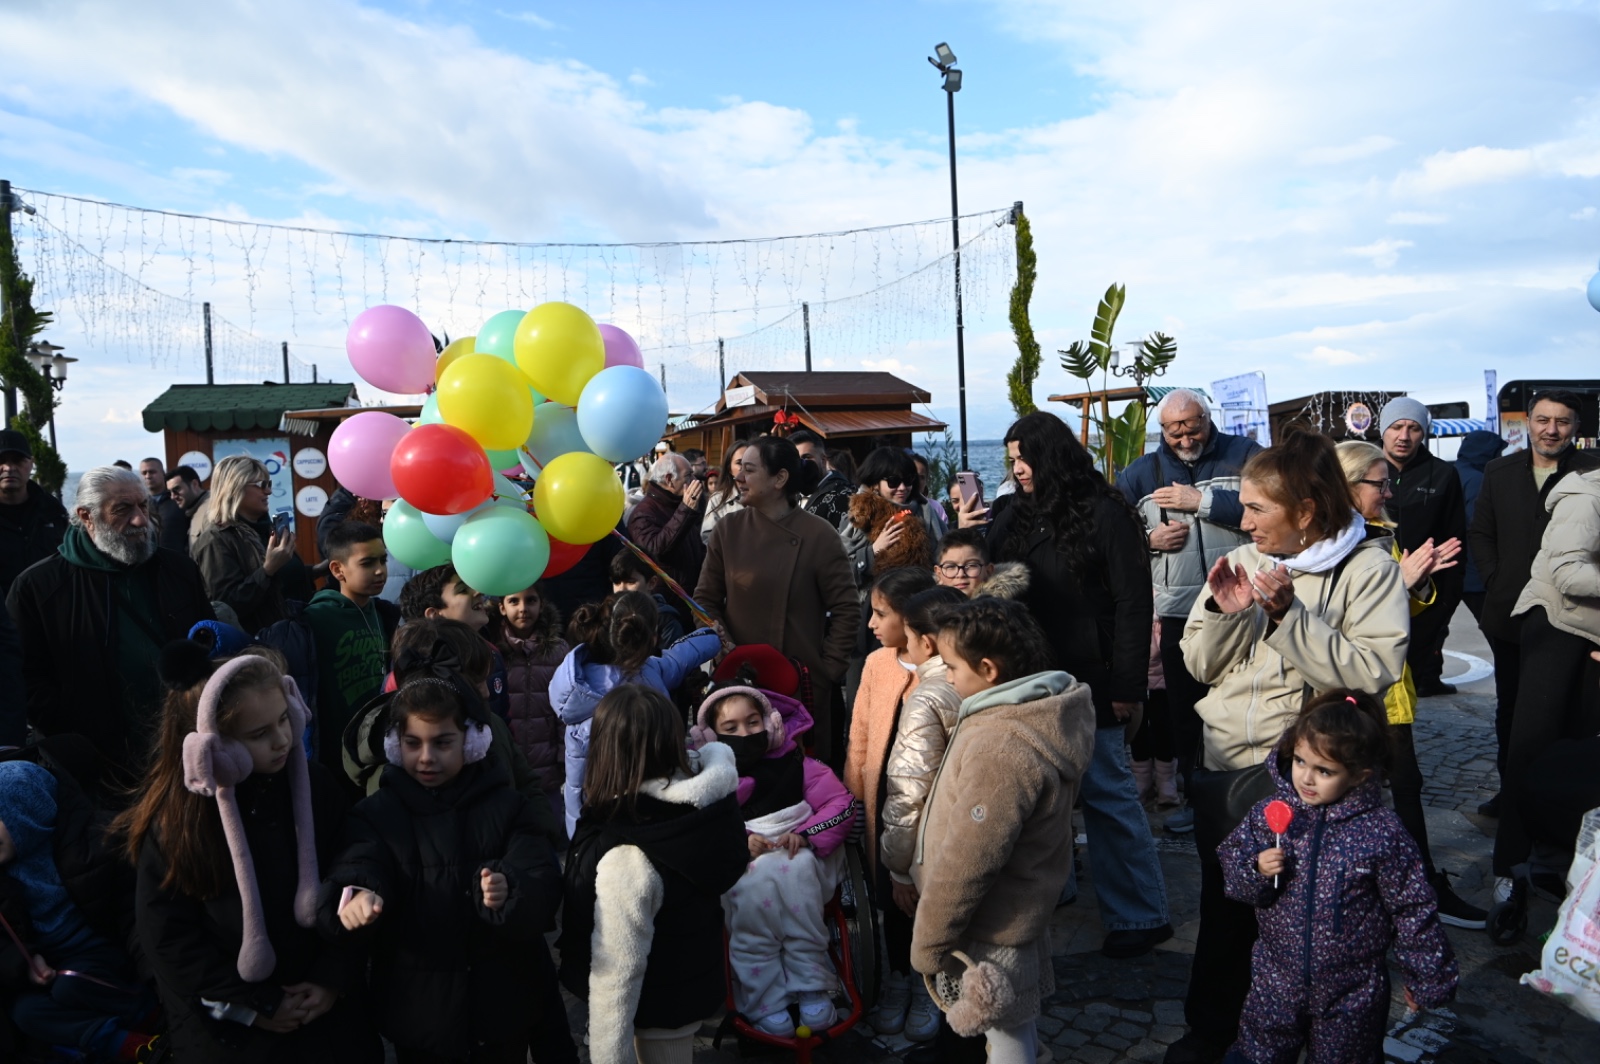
{"type": "Point", "coordinates": [1370, 195]}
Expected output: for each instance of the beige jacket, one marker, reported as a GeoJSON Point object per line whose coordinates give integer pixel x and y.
{"type": "Point", "coordinates": [1354, 636]}
{"type": "Point", "coordinates": [1565, 579]}
{"type": "Point", "coordinates": [926, 721]}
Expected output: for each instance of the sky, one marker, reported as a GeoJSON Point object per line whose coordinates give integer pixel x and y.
{"type": "Point", "coordinates": [1363, 195]}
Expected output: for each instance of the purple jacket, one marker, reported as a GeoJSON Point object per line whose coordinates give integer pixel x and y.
{"type": "Point", "coordinates": [1353, 885]}
{"type": "Point", "coordinates": [535, 728]}
{"type": "Point", "coordinates": [833, 809]}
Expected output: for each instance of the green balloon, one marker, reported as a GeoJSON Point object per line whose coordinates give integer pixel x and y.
{"type": "Point", "coordinates": [501, 551]}
{"type": "Point", "coordinates": [495, 337]}
{"type": "Point", "coordinates": [430, 411]}
{"type": "Point", "coordinates": [409, 540]}
{"type": "Point", "coordinates": [502, 460]}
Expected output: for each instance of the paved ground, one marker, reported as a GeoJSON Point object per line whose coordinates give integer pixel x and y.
{"type": "Point", "coordinates": [1108, 1011]}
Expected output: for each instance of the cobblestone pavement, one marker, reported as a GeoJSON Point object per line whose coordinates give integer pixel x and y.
{"type": "Point", "coordinates": [1107, 1011]}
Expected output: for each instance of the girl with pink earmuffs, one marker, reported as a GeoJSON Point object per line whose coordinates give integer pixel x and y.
{"type": "Point", "coordinates": [228, 833]}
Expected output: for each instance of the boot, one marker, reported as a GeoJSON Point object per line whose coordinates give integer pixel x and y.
{"type": "Point", "coordinates": [1167, 785]}
{"type": "Point", "coordinates": [1143, 779]}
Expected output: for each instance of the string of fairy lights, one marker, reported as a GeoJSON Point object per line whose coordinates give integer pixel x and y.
{"type": "Point", "coordinates": [132, 280]}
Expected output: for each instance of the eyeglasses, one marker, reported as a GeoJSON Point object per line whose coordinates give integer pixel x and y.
{"type": "Point", "coordinates": [1193, 426]}
{"type": "Point", "coordinates": [1382, 485]}
{"type": "Point", "coordinates": [960, 568]}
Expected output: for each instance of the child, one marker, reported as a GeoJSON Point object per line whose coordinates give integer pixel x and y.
{"type": "Point", "coordinates": [797, 814]}
{"type": "Point", "coordinates": [660, 841]}
{"type": "Point", "coordinates": [352, 635]}
{"type": "Point", "coordinates": [228, 833]}
{"type": "Point", "coordinates": [451, 872]}
{"type": "Point", "coordinates": [615, 643]}
{"type": "Point", "coordinates": [1349, 884]}
{"type": "Point", "coordinates": [628, 573]}
{"type": "Point", "coordinates": [440, 593]}
{"type": "Point", "coordinates": [887, 678]}
{"type": "Point", "coordinates": [994, 846]}
{"type": "Point", "coordinates": [529, 639]}
{"type": "Point", "coordinates": [72, 986]}
{"type": "Point", "coordinates": [964, 564]}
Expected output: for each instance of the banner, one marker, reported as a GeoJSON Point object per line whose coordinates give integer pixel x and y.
{"type": "Point", "coordinates": [1243, 400]}
{"type": "Point", "coordinates": [1491, 408]}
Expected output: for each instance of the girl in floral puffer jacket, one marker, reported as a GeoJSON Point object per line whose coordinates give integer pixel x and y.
{"type": "Point", "coordinates": [1341, 885]}
{"type": "Point", "coordinates": [528, 637]}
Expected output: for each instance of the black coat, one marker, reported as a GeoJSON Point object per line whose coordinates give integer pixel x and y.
{"type": "Point", "coordinates": [1099, 628]}
{"type": "Point", "coordinates": [1429, 504]}
{"type": "Point", "coordinates": [69, 654]}
{"type": "Point", "coordinates": [29, 533]}
{"type": "Point", "coordinates": [173, 522]}
{"type": "Point", "coordinates": [448, 972]}
{"type": "Point", "coordinates": [1508, 525]}
{"type": "Point", "coordinates": [193, 944]}
{"type": "Point", "coordinates": [831, 500]}
{"type": "Point", "coordinates": [14, 706]}
{"type": "Point", "coordinates": [699, 855]}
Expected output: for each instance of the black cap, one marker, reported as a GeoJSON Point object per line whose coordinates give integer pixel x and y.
{"type": "Point", "coordinates": [12, 440]}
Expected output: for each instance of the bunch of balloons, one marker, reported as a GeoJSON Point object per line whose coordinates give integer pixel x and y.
{"type": "Point", "coordinates": [546, 395]}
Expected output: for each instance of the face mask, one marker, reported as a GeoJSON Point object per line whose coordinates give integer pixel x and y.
{"type": "Point", "coordinates": [748, 750]}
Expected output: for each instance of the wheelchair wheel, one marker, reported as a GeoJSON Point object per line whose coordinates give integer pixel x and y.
{"type": "Point", "coordinates": [861, 915]}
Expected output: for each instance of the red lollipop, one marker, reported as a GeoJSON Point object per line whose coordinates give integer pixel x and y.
{"type": "Point", "coordinates": [440, 469]}
{"type": "Point", "coordinates": [1279, 816]}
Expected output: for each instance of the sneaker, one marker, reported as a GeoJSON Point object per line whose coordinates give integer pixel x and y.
{"type": "Point", "coordinates": [1434, 689]}
{"type": "Point", "coordinates": [922, 1018]}
{"type": "Point", "coordinates": [1508, 916]}
{"type": "Point", "coordinates": [778, 1024]}
{"type": "Point", "coordinates": [1120, 945]}
{"type": "Point", "coordinates": [1490, 808]}
{"type": "Point", "coordinates": [888, 1016]}
{"type": "Point", "coordinates": [817, 1011]}
{"type": "Point", "coordinates": [1181, 822]}
{"type": "Point", "coordinates": [1453, 909]}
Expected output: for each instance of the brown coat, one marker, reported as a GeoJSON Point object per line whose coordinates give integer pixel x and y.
{"type": "Point", "coordinates": [885, 683]}
{"type": "Point", "coordinates": [786, 583]}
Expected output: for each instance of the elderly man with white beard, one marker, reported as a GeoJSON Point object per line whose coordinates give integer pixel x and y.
{"type": "Point", "coordinates": [94, 617]}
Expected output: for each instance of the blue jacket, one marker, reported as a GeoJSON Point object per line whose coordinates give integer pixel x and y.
{"type": "Point", "coordinates": [1179, 575]}
{"type": "Point", "coordinates": [580, 684]}
{"type": "Point", "coordinates": [1478, 449]}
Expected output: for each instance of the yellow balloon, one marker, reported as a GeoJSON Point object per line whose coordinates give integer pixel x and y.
{"type": "Point", "coordinates": [454, 350]}
{"type": "Point", "coordinates": [578, 498]}
{"type": "Point", "coordinates": [487, 398]}
{"type": "Point", "coordinates": [558, 348]}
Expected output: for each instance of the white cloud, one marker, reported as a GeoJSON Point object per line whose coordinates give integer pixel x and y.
{"type": "Point", "coordinates": [113, 416]}
{"type": "Point", "coordinates": [1416, 218]}
{"type": "Point", "coordinates": [640, 79]}
{"type": "Point", "coordinates": [1585, 215]}
{"type": "Point", "coordinates": [1344, 153]}
{"type": "Point", "coordinates": [887, 365]}
{"type": "Point", "coordinates": [1333, 356]}
{"type": "Point", "coordinates": [1383, 253]}
{"type": "Point", "coordinates": [529, 17]}
{"type": "Point", "coordinates": [1448, 170]}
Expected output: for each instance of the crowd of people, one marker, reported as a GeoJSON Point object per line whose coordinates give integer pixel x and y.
{"type": "Point", "coordinates": [257, 809]}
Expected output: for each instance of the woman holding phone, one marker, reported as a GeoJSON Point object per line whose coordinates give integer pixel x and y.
{"type": "Point", "coordinates": [243, 558]}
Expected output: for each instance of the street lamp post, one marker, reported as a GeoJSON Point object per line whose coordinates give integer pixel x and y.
{"type": "Point", "coordinates": [49, 361]}
{"type": "Point", "coordinates": [946, 65]}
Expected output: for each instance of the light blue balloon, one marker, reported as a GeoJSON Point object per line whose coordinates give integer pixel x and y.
{"type": "Point", "coordinates": [430, 411]}
{"type": "Point", "coordinates": [500, 551]}
{"type": "Point", "coordinates": [445, 526]}
{"type": "Point", "coordinates": [555, 433]}
{"type": "Point", "coordinates": [622, 413]}
{"type": "Point", "coordinates": [1594, 291]}
{"type": "Point", "coordinates": [496, 335]}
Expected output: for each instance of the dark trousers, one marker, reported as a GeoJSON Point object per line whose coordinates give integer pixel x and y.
{"type": "Point", "coordinates": [1220, 978]}
{"type": "Point", "coordinates": [1405, 786]}
{"type": "Point", "coordinates": [897, 929]}
{"type": "Point", "coordinates": [550, 1035]}
{"type": "Point", "coordinates": [498, 1053]}
{"type": "Point", "coordinates": [1425, 654]}
{"type": "Point", "coordinates": [1558, 698]}
{"type": "Point", "coordinates": [1155, 738]}
{"type": "Point", "coordinates": [1507, 675]}
{"type": "Point", "coordinates": [1183, 691]}
{"type": "Point", "coordinates": [74, 1011]}
{"type": "Point", "coordinates": [1559, 789]}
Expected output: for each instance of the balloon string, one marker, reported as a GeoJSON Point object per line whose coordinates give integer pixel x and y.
{"type": "Point", "coordinates": [701, 616]}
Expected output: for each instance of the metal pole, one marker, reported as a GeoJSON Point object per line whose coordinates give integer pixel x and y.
{"type": "Point", "coordinates": [286, 362]}
{"type": "Point", "coordinates": [805, 312]}
{"type": "Point", "coordinates": [313, 373]}
{"type": "Point", "coordinates": [722, 369]}
{"type": "Point", "coordinates": [5, 299]}
{"type": "Point", "coordinates": [210, 376]}
{"type": "Point", "coordinates": [663, 376]}
{"type": "Point", "coordinates": [955, 236]}
{"type": "Point", "coordinates": [53, 428]}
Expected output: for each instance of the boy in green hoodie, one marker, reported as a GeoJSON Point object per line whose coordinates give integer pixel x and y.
{"type": "Point", "coordinates": [352, 636]}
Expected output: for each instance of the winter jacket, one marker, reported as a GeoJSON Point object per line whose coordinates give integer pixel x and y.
{"type": "Point", "coordinates": [664, 528]}
{"type": "Point", "coordinates": [831, 500]}
{"type": "Point", "coordinates": [927, 718]}
{"type": "Point", "coordinates": [448, 972]}
{"type": "Point", "coordinates": [1099, 627]}
{"type": "Point", "coordinates": [579, 684]}
{"type": "Point", "coordinates": [14, 710]}
{"type": "Point", "coordinates": [1010, 581]}
{"type": "Point", "coordinates": [718, 507]}
{"type": "Point", "coordinates": [530, 668]}
{"type": "Point", "coordinates": [193, 944]}
{"type": "Point", "coordinates": [994, 848]}
{"type": "Point", "coordinates": [641, 934]}
{"type": "Point", "coordinates": [1478, 449]}
{"type": "Point", "coordinates": [1348, 627]}
{"type": "Point", "coordinates": [1180, 575]}
{"type": "Point", "coordinates": [1508, 527]}
{"type": "Point", "coordinates": [874, 720]}
{"type": "Point", "coordinates": [29, 533]}
{"type": "Point", "coordinates": [1429, 504]}
{"type": "Point", "coordinates": [1565, 577]}
{"type": "Point", "coordinates": [172, 521]}
{"type": "Point", "coordinates": [1400, 700]}
{"type": "Point", "coordinates": [865, 519]}
{"type": "Point", "coordinates": [1353, 887]}
{"type": "Point", "coordinates": [88, 661]}
{"type": "Point", "coordinates": [230, 558]}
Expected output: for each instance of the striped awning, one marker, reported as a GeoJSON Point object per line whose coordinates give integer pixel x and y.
{"type": "Point", "coordinates": [1158, 392]}
{"type": "Point", "coordinates": [1456, 426]}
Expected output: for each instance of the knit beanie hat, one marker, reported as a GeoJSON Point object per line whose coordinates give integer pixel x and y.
{"type": "Point", "coordinates": [213, 765]}
{"type": "Point", "coordinates": [28, 810]}
{"type": "Point", "coordinates": [1404, 408]}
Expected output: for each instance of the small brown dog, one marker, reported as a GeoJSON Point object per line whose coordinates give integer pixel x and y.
{"type": "Point", "coordinates": [871, 512]}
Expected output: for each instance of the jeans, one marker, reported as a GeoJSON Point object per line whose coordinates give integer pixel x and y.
{"type": "Point", "coordinates": [74, 1011]}
{"type": "Point", "coordinates": [1127, 876]}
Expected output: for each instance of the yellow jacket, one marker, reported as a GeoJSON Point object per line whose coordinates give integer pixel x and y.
{"type": "Point", "coordinates": [1401, 700]}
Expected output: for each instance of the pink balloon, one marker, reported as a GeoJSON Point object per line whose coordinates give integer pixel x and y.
{"type": "Point", "coordinates": [621, 349]}
{"type": "Point", "coordinates": [392, 349]}
{"type": "Point", "coordinates": [360, 450]}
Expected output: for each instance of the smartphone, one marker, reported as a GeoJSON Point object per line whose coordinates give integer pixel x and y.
{"type": "Point", "coordinates": [969, 486]}
{"type": "Point", "coordinates": [281, 521]}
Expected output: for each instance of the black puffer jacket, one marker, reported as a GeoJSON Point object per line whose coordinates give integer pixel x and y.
{"type": "Point", "coordinates": [29, 533]}
{"type": "Point", "coordinates": [449, 973]}
{"type": "Point", "coordinates": [1429, 504]}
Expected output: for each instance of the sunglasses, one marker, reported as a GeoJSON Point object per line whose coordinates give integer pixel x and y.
{"type": "Point", "coordinates": [264, 485]}
{"type": "Point", "coordinates": [896, 482]}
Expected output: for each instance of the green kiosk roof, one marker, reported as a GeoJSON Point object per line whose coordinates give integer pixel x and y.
{"type": "Point", "coordinates": [226, 407]}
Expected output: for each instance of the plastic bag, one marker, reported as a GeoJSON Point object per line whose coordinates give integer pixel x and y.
{"type": "Point", "coordinates": [1570, 965]}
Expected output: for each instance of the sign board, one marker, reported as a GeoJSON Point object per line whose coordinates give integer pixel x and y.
{"type": "Point", "coordinates": [197, 461]}
{"type": "Point", "coordinates": [310, 463]}
{"type": "Point", "coordinates": [1491, 407]}
{"type": "Point", "coordinates": [272, 452]}
{"type": "Point", "coordinates": [310, 500]}
{"type": "Point", "coordinates": [1243, 400]}
{"type": "Point", "coordinates": [745, 396]}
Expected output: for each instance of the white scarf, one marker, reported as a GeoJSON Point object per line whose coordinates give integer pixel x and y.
{"type": "Point", "coordinates": [1324, 554]}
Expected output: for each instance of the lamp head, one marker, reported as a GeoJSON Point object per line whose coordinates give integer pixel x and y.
{"type": "Point", "coordinates": [952, 81]}
{"type": "Point", "coordinates": [946, 56]}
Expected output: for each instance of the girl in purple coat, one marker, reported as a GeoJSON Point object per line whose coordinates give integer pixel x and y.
{"type": "Point", "coordinates": [1332, 894]}
{"type": "Point", "coordinates": [528, 637]}
{"type": "Point", "coordinates": [796, 815]}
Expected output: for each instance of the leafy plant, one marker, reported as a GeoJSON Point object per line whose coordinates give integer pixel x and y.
{"type": "Point", "coordinates": [1019, 382]}
{"type": "Point", "coordinates": [20, 323]}
{"type": "Point", "coordinates": [944, 462]}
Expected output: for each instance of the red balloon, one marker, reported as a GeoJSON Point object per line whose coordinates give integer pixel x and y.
{"type": "Point", "coordinates": [439, 469]}
{"type": "Point", "coordinates": [564, 556]}
{"type": "Point", "coordinates": [1279, 816]}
